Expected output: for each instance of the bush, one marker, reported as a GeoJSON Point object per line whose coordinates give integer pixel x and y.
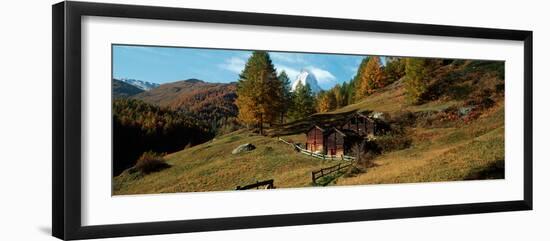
{"type": "Point", "coordinates": [392, 142]}
{"type": "Point", "coordinates": [402, 118]}
{"type": "Point", "coordinates": [364, 153]}
{"type": "Point", "coordinates": [364, 161]}
{"type": "Point", "coordinates": [487, 66]}
{"type": "Point", "coordinates": [150, 162]}
{"type": "Point", "coordinates": [499, 89]}
{"type": "Point", "coordinates": [354, 170]}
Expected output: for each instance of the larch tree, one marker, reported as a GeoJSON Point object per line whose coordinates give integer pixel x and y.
{"type": "Point", "coordinates": [395, 68]}
{"type": "Point", "coordinates": [416, 78]}
{"type": "Point", "coordinates": [370, 76]}
{"type": "Point", "coordinates": [259, 91]}
{"type": "Point", "coordinates": [326, 101]}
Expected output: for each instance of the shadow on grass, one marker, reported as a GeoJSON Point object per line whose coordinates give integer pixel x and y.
{"type": "Point", "coordinates": [494, 171]}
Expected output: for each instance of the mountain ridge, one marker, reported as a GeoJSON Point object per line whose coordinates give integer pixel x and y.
{"type": "Point", "coordinates": [307, 77]}
{"type": "Point", "coordinates": [141, 84]}
{"type": "Point", "coordinates": [121, 89]}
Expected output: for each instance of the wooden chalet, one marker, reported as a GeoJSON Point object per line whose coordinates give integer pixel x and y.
{"type": "Point", "coordinates": [361, 124]}
{"type": "Point", "coordinates": [315, 139]}
{"type": "Point", "coordinates": [339, 142]}
{"type": "Point", "coordinates": [334, 141]}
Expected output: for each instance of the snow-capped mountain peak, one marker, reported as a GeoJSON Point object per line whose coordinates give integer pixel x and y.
{"type": "Point", "coordinates": [144, 85]}
{"type": "Point", "coordinates": [306, 77]}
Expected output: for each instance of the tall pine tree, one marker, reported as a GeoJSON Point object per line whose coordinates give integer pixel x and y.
{"type": "Point", "coordinates": [286, 94]}
{"type": "Point", "coordinates": [303, 102]}
{"type": "Point", "coordinates": [259, 91]}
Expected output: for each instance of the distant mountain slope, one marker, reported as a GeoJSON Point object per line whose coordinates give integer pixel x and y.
{"type": "Point", "coordinates": [122, 89]}
{"type": "Point", "coordinates": [141, 84]}
{"type": "Point", "coordinates": [212, 102]}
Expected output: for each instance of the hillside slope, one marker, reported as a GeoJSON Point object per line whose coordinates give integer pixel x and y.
{"type": "Point", "coordinates": [211, 102]}
{"type": "Point", "coordinates": [452, 152]}
{"type": "Point", "coordinates": [212, 167]}
{"type": "Point", "coordinates": [178, 94]}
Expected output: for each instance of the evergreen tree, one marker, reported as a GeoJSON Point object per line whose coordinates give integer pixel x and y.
{"type": "Point", "coordinates": [338, 97]}
{"type": "Point", "coordinates": [286, 94]}
{"type": "Point", "coordinates": [345, 94]}
{"type": "Point", "coordinates": [259, 91]}
{"type": "Point", "coordinates": [303, 102]}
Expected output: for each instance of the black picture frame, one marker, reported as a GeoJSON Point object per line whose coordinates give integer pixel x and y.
{"type": "Point", "coordinates": [66, 47]}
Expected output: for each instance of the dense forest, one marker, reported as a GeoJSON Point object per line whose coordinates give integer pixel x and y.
{"type": "Point", "coordinates": [214, 103]}
{"type": "Point", "coordinates": [139, 127]}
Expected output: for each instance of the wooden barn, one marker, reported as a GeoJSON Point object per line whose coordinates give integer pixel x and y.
{"type": "Point", "coordinates": [339, 142]}
{"type": "Point", "coordinates": [361, 124]}
{"type": "Point", "coordinates": [315, 139]}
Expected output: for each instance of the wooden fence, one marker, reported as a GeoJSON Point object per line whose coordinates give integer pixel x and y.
{"type": "Point", "coordinates": [319, 155]}
{"type": "Point", "coordinates": [268, 184]}
{"type": "Point", "coordinates": [327, 171]}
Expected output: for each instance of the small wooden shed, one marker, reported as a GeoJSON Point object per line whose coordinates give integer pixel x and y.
{"type": "Point", "coordinates": [339, 142]}
{"type": "Point", "coordinates": [361, 124]}
{"type": "Point", "coordinates": [315, 139]}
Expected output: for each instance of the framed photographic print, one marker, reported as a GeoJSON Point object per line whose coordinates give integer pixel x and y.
{"type": "Point", "coordinates": [170, 120]}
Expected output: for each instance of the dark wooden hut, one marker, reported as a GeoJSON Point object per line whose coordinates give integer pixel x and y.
{"type": "Point", "coordinates": [339, 142]}
{"type": "Point", "coordinates": [361, 124]}
{"type": "Point", "coordinates": [315, 139]}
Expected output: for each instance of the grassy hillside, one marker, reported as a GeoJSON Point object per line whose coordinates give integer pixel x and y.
{"type": "Point", "coordinates": [212, 167]}
{"type": "Point", "coordinates": [471, 151]}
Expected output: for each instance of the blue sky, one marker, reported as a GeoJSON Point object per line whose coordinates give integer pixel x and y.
{"type": "Point", "coordinates": [168, 64]}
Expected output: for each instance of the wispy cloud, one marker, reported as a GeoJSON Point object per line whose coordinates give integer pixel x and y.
{"type": "Point", "coordinates": [151, 50]}
{"type": "Point", "coordinates": [233, 64]}
{"type": "Point", "coordinates": [291, 72]}
{"type": "Point", "coordinates": [291, 58]}
{"type": "Point", "coordinates": [352, 69]}
{"type": "Point", "coordinates": [322, 75]}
